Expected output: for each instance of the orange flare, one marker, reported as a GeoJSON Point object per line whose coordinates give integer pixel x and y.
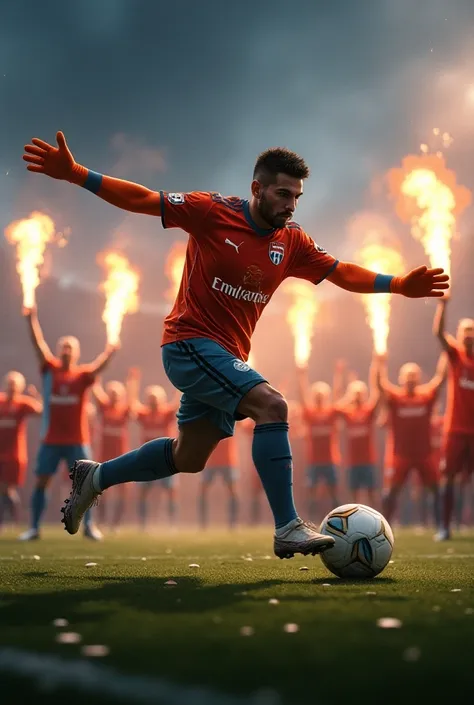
{"type": "Point", "coordinates": [429, 198]}
{"type": "Point", "coordinates": [174, 266]}
{"type": "Point", "coordinates": [121, 292]}
{"type": "Point", "coordinates": [301, 316]}
{"type": "Point", "coordinates": [30, 236]}
{"type": "Point", "coordinates": [384, 260]}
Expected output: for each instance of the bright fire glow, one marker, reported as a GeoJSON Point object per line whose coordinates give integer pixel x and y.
{"type": "Point", "coordinates": [301, 316]}
{"type": "Point", "coordinates": [429, 198]}
{"type": "Point", "coordinates": [30, 236]}
{"type": "Point", "coordinates": [384, 260]}
{"type": "Point", "coordinates": [121, 292]}
{"type": "Point", "coordinates": [174, 266]}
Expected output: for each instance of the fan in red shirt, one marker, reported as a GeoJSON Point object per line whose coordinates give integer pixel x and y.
{"type": "Point", "coordinates": [223, 462]}
{"type": "Point", "coordinates": [65, 428]}
{"type": "Point", "coordinates": [15, 407]}
{"type": "Point", "coordinates": [113, 437]}
{"type": "Point", "coordinates": [239, 252]}
{"type": "Point", "coordinates": [320, 422]}
{"type": "Point", "coordinates": [156, 418]}
{"type": "Point", "coordinates": [410, 407]}
{"type": "Point", "coordinates": [458, 447]}
{"type": "Point", "coordinates": [358, 409]}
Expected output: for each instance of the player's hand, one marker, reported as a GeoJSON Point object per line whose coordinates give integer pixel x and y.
{"type": "Point", "coordinates": [44, 158]}
{"type": "Point", "coordinates": [422, 282]}
{"type": "Point", "coordinates": [380, 357]}
{"type": "Point", "coordinates": [112, 347]}
{"type": "Point", "coordinates": [32, 391]}
{"type": "Point", "coordinates": [341, 365]}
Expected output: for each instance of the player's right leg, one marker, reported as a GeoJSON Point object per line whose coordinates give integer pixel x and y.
{"type": "Point", "coordinates": [206, 479]}
{"type": "Point", "coordinates": [396, 478]}
{"type": "Point", "coordinates": [144, 489]}
{"type": "Point", "coordinates": [47, 461]}
{"type": "Point", "coordinates": [312, 481]}
{"type": "Point", "coordinates": [455, 456]}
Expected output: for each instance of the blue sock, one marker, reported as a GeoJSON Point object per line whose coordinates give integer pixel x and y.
{"type": "Point", "coordinates": [271, 455]}
{"type": "Point", "coordinates": [152, 461]}
{"type": "Point", "coordinates": [233, 510]}
{"type": "Point", "coordinates": [203, 510]}
{"type": "Point", "coordinates": [38, 505]}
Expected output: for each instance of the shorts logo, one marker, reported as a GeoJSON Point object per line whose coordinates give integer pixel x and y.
{"type": "Point", "coordinates": [241, 366]}
{"type": "Point", "coordinates": [276, 252]}
{"type": "Point", "coordinates": [320, 249]}
{"type": "Point", "coordinates": [176, 199]}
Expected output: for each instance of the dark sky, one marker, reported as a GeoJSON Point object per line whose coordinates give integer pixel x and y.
{"type": "Point", "coordinates": [184, 95]}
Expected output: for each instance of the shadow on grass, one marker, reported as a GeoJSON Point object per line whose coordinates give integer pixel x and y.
{"type": "Point", "coordinates": [143, 594]}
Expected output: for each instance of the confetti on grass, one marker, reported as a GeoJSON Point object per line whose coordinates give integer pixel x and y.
{"type": "Point", "coordinates": [389, 623]}
{"type": "Point", "coordinates": [68, 638]}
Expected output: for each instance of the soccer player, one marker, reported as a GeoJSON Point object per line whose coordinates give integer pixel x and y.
{"type": "Point", "coordinates": [15, 407]}
{"type": "Point", "coordinates": [320, 418]}
{"type": "Point", "coordinates": [222, 463]}
{"type": "Point", "coordinates": [410, 407]}
{"type": "Point", "coordinates": [458, 452]}
{"type": "Point", "coordinates": [239, 252]}
{"type": "Point", "coordinates": [114, 417]}
{"type": "Point", "coordinates": [65, 432]}
{"type": "Point", "coordinates": [358, 410]}
{"type": "Point", "coordinates": [156, 418]}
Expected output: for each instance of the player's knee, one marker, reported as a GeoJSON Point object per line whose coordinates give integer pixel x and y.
{"type": "Point", "coordinates": [273, 409]}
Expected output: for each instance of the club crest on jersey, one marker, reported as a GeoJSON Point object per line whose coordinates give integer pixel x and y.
{"type": "Point", "coordinates": [276, 252]}
{"type": "Point", "coordinates": [176, 199]}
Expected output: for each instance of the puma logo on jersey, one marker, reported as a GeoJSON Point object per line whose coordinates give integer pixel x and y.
{"type": "Point", "coordinates": [466, 383]}
{"type": "Point", "coordinates": [229, 242]}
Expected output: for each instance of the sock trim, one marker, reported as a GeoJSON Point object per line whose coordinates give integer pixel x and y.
{"type": "Point", "coordinates": [265, 427]}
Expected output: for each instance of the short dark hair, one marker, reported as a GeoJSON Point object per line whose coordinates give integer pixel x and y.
{"type": "Point", "coordinates": [279, 160]}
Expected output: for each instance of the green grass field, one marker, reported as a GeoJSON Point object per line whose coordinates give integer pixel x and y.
{"type": "Point", "coordinates": [189, 634]}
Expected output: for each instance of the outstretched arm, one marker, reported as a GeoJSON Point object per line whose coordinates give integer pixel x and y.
{"type": "Point", "coordinates": [447, 341]}
{"type": "Point", "coordinates": [419, 283]}
{"type": "Point", "coordinates": [437, 381]}
{"type": "Point", "coordinates": [59, 163]}
{"type": "Point", "coordinates": [40, 345]}
{"type": "Point", "coordinates": [381, 376]}
{"type": "Point", "coordinates": [303, 387]}
{"type": "Point", "coordinates": [102, 360]}
{"type": "Point", "coordinates": [374, 390]}
{"type": "Point", "coordinates": [100, 394]}
{"type": "Point", "coordinates": [340, 369]}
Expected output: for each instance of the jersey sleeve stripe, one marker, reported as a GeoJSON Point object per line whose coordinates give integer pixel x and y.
{"type": "Point", "coordinates": [162, 209]}
{"type": "Point", "coordinates": [331, 269]}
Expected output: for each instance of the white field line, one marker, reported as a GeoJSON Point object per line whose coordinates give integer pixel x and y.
{"type": "Point", "coordinates": [53, 672]}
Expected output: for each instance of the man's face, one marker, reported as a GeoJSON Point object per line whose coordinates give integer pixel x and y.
{"type": "Point", "coordinates": [410, 377]}
{"type": "Point", "coordinates": [277, 202]}
{"type": "Point", "coordinates": [466, 335]}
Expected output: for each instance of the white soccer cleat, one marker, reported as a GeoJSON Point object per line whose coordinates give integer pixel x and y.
{"type": "Point", "coordinates": [443, 535]}
{"type": "Point", "coordinates": [93, 533]}
{"type": "Point", "coordinates": [300, 537]}
{"type": "Point", "coordinates": [83, 495]}
{"type": "Point", "coordinates": [30, 535]}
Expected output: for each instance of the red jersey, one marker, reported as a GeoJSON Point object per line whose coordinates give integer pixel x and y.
{"type": "Point", "coordinates": [322, 447]}
{"type": "Point", "coordinates": [360, 434]}
{"type": "Point", "coordinates": [232, 268]}
{"type": "Point", "coordinates": [13, 415]}
{"type": "Point", "coordinates": [155, 423]}
{"type": "Point", "coordinates": [459, 417]}
{"type": "Point", "coordinates": [224, 455]}
{"type": "Point", "coordinates": [410, 425]}
{"type": "Point", "coordinates": [437, 427]}
{"type": "Point", "coordinates": [65, 419]}
{"type": "Point", "coordinates": [114, 429]}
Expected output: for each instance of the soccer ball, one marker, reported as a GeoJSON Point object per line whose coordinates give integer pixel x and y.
{"type": "Point", "coordinates": [364, 541]}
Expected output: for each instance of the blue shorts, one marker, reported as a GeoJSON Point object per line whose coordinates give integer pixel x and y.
{"type": "Point", "coordinates": [212, 380]}
{"type": "Point", "coordinates": [362, 477]}
{"type": "Point", "coordinates": [321, 473]}
{"type": "Point", "coordinates": [166, 483]}
{"type": "Point", "coordinates": [229, 475]}
{"type": "Point", "coordinates": [49, 457]}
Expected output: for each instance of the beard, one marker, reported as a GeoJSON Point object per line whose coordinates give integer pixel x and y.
{"type": "Point", "coordinates": [266, 212]}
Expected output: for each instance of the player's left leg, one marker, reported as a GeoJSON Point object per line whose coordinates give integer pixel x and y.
{"type": "Point", "coordinates": [396, 480]}
{"type": "Point", "coordinates": [12, 475]}
{"type": "Point", "coordinates": [229, 477]}
{"type": "Point", "coordinates": [429, 481]}
{"type": "Point", "coordinates": [71, 455]}
{"type": "Point", "coordinates": [455, 457]}
{"type": "Point", "coordinates": [168, 485]}
{"type": "Point", "coordinates": [144, 489]}
{"type": "Point", "coordinates": [119, 506]}
{"type": "Point", "coordinates": [206, 479]}
{"type": "Point", "coordinates": [330, 478]}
